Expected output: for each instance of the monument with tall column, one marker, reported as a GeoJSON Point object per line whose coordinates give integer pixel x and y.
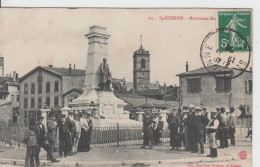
{"type": "Point", "coordinates": [97, 88]}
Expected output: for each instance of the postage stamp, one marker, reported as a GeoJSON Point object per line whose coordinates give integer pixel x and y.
{"type": "Point", "coordinates": [216, 61]}
{"type": "Point", "coordinates": [240, 24]}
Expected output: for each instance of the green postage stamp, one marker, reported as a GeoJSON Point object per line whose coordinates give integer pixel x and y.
{"type": "Point", "coordinates": [236, 31]}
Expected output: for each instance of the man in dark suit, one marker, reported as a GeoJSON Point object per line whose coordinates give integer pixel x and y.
{"type": "Point", "coordinates": [64, 136]}
{"type": "Point", "coordinates": [223, 128]}
{"type": "Point", "coordinates": [198, 131]}
{"type": "Point", "coordinates": [41, 139]}
{"type": "Point", "coordinates": [72, 130]}
{"type": "Point", "coordinates": [89, 131]}
{"type": "Point", "coordinates": [52, 130]}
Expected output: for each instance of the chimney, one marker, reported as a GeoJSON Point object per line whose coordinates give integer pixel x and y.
{"type": "Point", "coordinates": [50, 65]}
{"type": "Point", "coordinates": [14, 76]}
{"type": "Point", "coordinates": [69, 68]}
{"type": "Point", "coordinates": [187, 66]}
{"type": "Point", "coordinates": [74, 66]}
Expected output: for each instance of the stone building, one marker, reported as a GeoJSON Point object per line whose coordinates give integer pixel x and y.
{"type": "Point", "coordinates": [201, 88]}
{"type": "Point", "coordinates": [9, 98]}
{"type": "Point", "coordinates": [48, 85]}
{"type": "Point", "coordinates": [141, 73]}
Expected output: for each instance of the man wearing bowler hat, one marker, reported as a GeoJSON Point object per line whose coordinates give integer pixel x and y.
{"type": "Point", "coordinates": [197, 132]}
{"type": "Point", "coordinates": [41, 139]}
{"type": "Point", "coordinates": [223, 128]}
{"type": "Point", "coordinates": [65, 137]}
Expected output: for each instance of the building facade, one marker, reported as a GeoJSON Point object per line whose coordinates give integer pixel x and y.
{"type": "Point", "coordinates": [200, 88]}
{"type": "Point", "coordinates": [141, 73]}
{"type": "Point", "coordinates": [47, 85]}
{"type": "Point", "coordinates": [9, 98]}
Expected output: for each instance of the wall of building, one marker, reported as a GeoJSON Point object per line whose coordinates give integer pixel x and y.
{"type": "Point", "coordinates": [7, 105]}
{"type": "Point", "coordinates": [208, 96]}
{"type": "Point", "coordinates": [70, 82]}
{"type": "Point", "coordinates": [47, 77]}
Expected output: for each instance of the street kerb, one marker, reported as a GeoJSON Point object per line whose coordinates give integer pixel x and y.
{"type": "Point", "coordinates": [122, 163]}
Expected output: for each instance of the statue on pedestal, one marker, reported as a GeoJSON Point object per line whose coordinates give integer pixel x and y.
{"type": "Point", "coordinates": [105, 76]}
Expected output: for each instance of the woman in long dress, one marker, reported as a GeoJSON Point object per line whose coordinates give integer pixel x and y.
{"type": "Point", "coordinates": [86, 129]}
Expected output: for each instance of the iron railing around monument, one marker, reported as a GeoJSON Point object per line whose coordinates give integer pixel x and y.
{"type": "Point", "coordinates": [119, 135]}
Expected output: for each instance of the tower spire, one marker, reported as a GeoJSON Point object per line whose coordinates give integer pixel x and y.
{"type": "Point", "coordinates": [141, 40]}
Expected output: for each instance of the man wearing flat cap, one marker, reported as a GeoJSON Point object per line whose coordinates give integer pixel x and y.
{"type": "Point", "coordinates": [30, 139]}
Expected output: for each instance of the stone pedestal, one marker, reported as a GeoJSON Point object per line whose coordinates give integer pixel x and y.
{"type": "Point", "coordinates": [140, 116]}
{"type": "Point", "coordinates": [109, 107]}
{"type": "Point", "coordinates": [164, 117]}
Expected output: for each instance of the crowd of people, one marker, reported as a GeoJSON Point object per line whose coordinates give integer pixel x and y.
{"type": "Point", "coordinates": [192, 127]}
{"type": "Point", "coordinates": [74, 128]}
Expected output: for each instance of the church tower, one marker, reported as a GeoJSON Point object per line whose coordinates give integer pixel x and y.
{"type": "Point", "coordinates": [141, 73]}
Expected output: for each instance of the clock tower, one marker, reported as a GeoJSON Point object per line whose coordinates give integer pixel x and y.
{"type": "Point", "coordinates": [141, 73]}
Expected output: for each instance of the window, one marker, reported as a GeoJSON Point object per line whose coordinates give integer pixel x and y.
{"type": "Point", "coordinates": [17, 98]}
{"type": "Point", "coordinates": [143, 63]}
{"type": "Point", "coordinates": [32, 88]}
{"type": "Point", "coordinates": [25, 89]}
{"type": "Point", "coordinates": [25, 103]}
{"type": "Point", "coordinates": [47, 101]}
{"type": "Point", "coordinates": [25, 114]}
{"type": "Point", "coordinates": [40, 73]}
{"type": "Point", "coordinates": [40, 88]}
{"type": "Point", "coordinates": [246, 90]}
{"type": "Point", "coordinates": [223, 84]}
{"type": "Point", "coordinates": [193, 85]}
{"type": "Point", "coordinates": [39, 77]}
{"type": "Point", "coordinates": [39, 102]}
{"type": "Point", "coordinates": [56, 88]}
{"type": "Point", "coordinates": [56, 101]}
{"type": "Point", "coordinates": [48, 87]}
{"type": "Point", "coordinates": [32, 103]}
{"type": "Point", "coordinates": [248, 86]}
{"type": "Point", "coordinates": [12, 98]}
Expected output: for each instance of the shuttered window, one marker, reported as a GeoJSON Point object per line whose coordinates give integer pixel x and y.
{"type": "Point", "coordinates": [223, 84]}
{"type": "Point", "coordinates": [193, 85]}
{"type": "Point", "coordinates": [250, 86]}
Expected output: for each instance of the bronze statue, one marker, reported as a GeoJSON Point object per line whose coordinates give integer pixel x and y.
{"type": "Point", "coordinates": [105, 76]}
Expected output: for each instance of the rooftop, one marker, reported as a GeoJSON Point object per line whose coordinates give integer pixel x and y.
{"type": "Point", "coordinates": [59, 71]}
{"type": "Point", "coordinates": [212, 68]}
{"type": "Point", "coordinates": [65, 71]}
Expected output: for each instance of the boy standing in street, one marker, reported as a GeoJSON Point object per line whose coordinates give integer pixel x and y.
{"type": "Point", "coordinates": [31, 145]}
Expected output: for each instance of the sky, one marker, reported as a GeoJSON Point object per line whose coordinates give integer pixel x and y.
{"type": "Point", "coordinates": [40, 37]}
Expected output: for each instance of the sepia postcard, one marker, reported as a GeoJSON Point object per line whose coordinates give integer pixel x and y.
{"type": "Point", "coordinates": [126, 87]}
